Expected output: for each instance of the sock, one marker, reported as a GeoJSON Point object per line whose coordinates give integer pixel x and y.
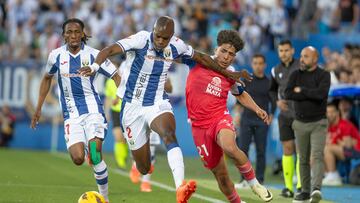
{"type": "Point", "coordinates": [248, 173]}
{"type": "Point", "coordinates": [298, 184]}
{"type": "Point", "coordinates": [288, 170]}
{"type": "Point", "coordinates": [176, 163]}
{"type": "Point", "coordinates": [234, 197]}
{"type": "Point", "coordinates": [101, 176]}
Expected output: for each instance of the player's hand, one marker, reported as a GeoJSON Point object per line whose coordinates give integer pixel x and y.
{"type": "Point", "coordinates": [35, 119]}
{"type": "Point", "coordinates": [263, 115]}
{"type": "Point", "coordinates": [237, 75]}
{"type": "Point", "coordinates": [86, 71]}
{"type": "Point", "coordinates": [282, 104]}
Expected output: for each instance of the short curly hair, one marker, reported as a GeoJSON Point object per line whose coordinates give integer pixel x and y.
{"type": "Point", "coordinates": [230, 37]}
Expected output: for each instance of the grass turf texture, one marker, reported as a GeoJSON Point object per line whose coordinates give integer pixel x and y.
{"type": "Point", "coordinates": [43, 177]}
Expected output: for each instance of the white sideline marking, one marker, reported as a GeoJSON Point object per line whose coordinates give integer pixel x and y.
{"type": "Point", "coordinates": [157, 184]}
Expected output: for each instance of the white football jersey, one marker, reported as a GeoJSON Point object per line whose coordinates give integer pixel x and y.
{"type": "Point", "coordinates": [77, 94]}
{"type": "Point", "coordinates": [147, 68]}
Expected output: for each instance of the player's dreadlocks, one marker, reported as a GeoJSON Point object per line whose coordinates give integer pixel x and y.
{"type": "Point", "coordinates": [81, 23]}
{"type": "Point", "coordinates": [230, 37]}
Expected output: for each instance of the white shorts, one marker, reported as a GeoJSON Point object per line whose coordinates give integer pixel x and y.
{"type": "Point", "coordinates": [84, 128]}
{"type": "Point", "coordinates": [136, 121]}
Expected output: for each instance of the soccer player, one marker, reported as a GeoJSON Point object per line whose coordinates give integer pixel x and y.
{"type": "Point", "coordinates": [145, 105]}
{"type": "Point", "coordinates": [84, 121]}
{"type": "Point", "coordinates": [211, 123]}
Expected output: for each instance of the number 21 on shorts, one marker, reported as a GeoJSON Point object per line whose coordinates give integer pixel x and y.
{"type": "Point", "coordinates": [202, 150]}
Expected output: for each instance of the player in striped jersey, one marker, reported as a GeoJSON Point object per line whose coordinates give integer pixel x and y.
{"type": "Point", "coordinates": [84, 121]}
{"type": "Point", "coordinates": [145, 106]}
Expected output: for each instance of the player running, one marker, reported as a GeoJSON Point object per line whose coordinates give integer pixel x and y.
{"type": "Point", "coordinates": [211, 123]}
{"type": "Point", "coordinates": [84, 121]}
{"type": "Point", "coordinates": [145, 105]}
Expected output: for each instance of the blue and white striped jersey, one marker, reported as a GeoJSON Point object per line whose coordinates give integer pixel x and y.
{"type": "Point", "coordinates": [77, 94]}
{"type": "Point", "coordinates": [147, 68]}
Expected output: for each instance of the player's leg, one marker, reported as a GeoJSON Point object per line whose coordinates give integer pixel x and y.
{"type": "Point", "coordinates": [164, 125]}
{"type": "Point", "coordinates": [75, 141]}
{"type": "Point", "coordinates": [225, 184]}
{"type": "Point", "coordinates": [243, 142]}
{"type": "Point", "coordinates": [120, 146]}
{"type": "Point", "coordinates": [95, 128]}
{"type": "Point", "coordinates": [288, 163]}
{"type": "Point", "coordinates": [146, 179]}
{"type": "Point", "coordinates": [226, 140]}
{"type": "Point", "coordinates": [135, 128]}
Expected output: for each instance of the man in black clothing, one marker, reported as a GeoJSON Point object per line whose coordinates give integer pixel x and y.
{"type": "Point", "coordinates": [279, 79]}
{"type": "Point", "coordinates": [309, 88]}
{"type": "Point", "coordinates": [251, 127]}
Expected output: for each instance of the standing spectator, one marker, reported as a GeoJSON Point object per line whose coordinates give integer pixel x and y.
{"type": "Point", "coordinates": [325, 15]}
{"type": "Point", "coordinates": [251, 33]}
{"type": "Point", "coordinates": [348, 15]}
{"type": "Point", "coordinates": [342, 141]}
{"type": "Point", "coordinates": [280, 76]}
{"type": "Point", "coordinates": [7, 123]}
{"type": "Point", "coordinates": [278, 23]}
{"type": "Point", "coordinates": [309, 88]}
{"type": "Point", "coordinates": [251, 126]}
{"type": "Point", "coordinates": [304, 19]}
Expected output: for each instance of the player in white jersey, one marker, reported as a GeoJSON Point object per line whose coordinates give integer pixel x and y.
{"type": "Point", "coordinates": [84, 121]}
{"type": "Point", "coordinates": [145, 106]}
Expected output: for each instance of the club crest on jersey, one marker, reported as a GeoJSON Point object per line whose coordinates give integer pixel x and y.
{"type": "Point", "coordinates": [167, 53]}
{"type": "Point", "coordinates": [85, 62]}
{"type": "Point", "coordinates": [214, 87]}
{"type": "Point", "coordinates": [216, 81]}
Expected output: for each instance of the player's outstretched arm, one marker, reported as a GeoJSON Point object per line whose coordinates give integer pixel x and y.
{"type": "Point", "coordinates": [108, 51]}
{"type": "Point", "coordinates": [246, 100]}
{"type": "Point", "coordinates": [208, 62]}
{"type": "Point", "coordinates": [44, 90]}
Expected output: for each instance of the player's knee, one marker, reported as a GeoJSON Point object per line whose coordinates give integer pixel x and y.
{"type": "Point", "coordinates": [78, 160]}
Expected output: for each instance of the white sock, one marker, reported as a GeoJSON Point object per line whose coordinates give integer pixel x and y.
{"type": "Point", "coordinates": [146, 178]}
{"type": "Point", "coordinates": [176, 163]}
{"type": "Point", "coordinates": [101, 176]}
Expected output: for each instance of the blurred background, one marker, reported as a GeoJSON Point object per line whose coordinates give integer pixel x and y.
{"type": "Point", "coordinates": [31, 29]}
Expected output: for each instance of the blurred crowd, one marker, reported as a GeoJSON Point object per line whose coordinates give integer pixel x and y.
{"type": "Point", "coordinates": [344, 67]}
{"type": "Point", "coordinates": [31, 28]}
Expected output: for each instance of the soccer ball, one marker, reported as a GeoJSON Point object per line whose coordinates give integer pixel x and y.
{"type": "Point", "coordinates": [91, 197]}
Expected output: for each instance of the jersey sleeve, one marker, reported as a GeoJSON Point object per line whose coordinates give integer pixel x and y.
{"type": "Point", "coordinates": [183, 49]}
{"type": "Point", "coordinates": [135, 41]}
{"type": "Point", "coordinates": [237, 89]}
{"type": "Point", "coordinates": [107, 68]}
{"type": "Point", "coordinates": [52, 64]}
